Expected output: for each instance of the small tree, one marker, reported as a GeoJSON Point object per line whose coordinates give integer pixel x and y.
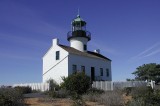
{"type": "Point", "coordinates": [77, 82]}
{"type": "Point", "coordinates": [148, 72]}
{"type": "Point", "coordinates": [53, 84]}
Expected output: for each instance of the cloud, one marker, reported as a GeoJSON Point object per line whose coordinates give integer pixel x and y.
{"type": "Point", "coordinates": [152, 53]}
{"type": "Point", "coordinates": [153, 50]}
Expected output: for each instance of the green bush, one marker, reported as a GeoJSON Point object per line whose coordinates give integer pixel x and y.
{"type": "Point", "coordinates": [108, 98]}
{"type": "Point", "coordinates": [62, 93]}
{"type": "Point", "coordinates": [53, 85]}
{"type": "Point", "coordinates": [55, 91]}
{"type": "Point", "coordinates": [77, 82]}
{"type": "Point", "coordinates": [145, 96]}
{"type": "Point", "coordinates": [127, 90]}
{"type": "Point", "coordinates": [78, 101]}
{"type": "Point", "coordinates": [23, 90]}
{"type": "Point", "coordinates": [10, 97]}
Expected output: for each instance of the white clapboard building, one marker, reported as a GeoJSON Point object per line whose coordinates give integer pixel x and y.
{"type": "Point", "coordinates": [61, 60]}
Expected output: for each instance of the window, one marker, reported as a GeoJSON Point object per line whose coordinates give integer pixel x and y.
{"type": "Point", "coordinates": [83, 69]}
{"type": "Point", "coordinates": [57, 55]}
{"type": "Point", "coordinates": [101, 71]}
{"type": "Point", "coordinates": [85, 47]}
{"type": "Point", "coordinates": [107, 72]}
{"type": "Point", "coordinates": [74, 68]}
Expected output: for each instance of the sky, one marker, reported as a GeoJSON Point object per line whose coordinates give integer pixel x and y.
{"type": "Point", "coordinates": [126, 31]}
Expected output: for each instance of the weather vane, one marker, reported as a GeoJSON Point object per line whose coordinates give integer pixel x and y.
{"type": "Point", "coordinates": [78, 12]}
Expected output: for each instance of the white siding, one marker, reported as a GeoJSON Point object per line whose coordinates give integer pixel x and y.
{"type": "Point", "coordinates": [55, 69]}
{"type": "Point", "coordinates": [88, 63]}
{"type": "Point", "coordinates": [52, 68]}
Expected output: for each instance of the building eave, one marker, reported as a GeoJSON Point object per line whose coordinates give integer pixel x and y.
{"type": "Point", "coordinates": [47, 52]}
{"type": "Point", "coordinates": [90, 54]}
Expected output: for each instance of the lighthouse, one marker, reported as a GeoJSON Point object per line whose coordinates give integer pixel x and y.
{"type": "Point", "coordinates": [79, 36]}
{"type": "Point", "coordinates": [63, 60]}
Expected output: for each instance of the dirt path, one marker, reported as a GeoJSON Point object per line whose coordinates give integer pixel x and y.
{"type": "Point", "coordinates": [38, 99]}
{"type": "Point", "coordinates": [43, 102]}
{"type": "Point", "coordinates": [54, 102]}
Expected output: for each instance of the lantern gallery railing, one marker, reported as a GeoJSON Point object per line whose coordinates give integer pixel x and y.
{"type": "Point", "coordinates": [79, 33]}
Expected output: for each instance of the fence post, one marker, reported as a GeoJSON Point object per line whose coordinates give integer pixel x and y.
{"type": "Point", "coordinates": [111, 85]}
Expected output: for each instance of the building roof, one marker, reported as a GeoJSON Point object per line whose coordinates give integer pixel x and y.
{"type": "Point", "coordinates": [87, 54]}
{"type": "Point", "coordinates": [78, 18]}
{"type": "Point", "coordinates": [78, 21]}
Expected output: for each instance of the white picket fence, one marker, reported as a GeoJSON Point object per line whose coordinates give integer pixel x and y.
{"type": "Point", "coordinates": [35, 86]}
{"type": "Point", "coordinates": [109, 85]}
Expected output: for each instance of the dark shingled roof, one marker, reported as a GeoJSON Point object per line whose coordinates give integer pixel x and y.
{"type": "Point", "coordinates": [87, 54]}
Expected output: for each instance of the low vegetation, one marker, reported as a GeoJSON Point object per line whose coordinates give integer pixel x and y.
{"type": "Point", "coordinates": [70, 88]}
{"type": "Point", "coordinates": [144, 96]}
{"type": "Point", "coordinates": [107, 98]}
{"type": "Point", "coordinates": [78, 83]}
{"type": "Point", "coordinates": [149, 72]}
{"type": "Point", "coordinates": [23, 90]}
{"type": "Point", "coordinates": [77, 87]}
{"type": "Point", "coordinates": [13, 96]}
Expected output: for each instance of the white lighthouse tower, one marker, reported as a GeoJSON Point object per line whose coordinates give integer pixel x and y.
{"type": "Point", "coordinates": [79, 37]}
{"type": "Point", "coordinates": [62, 60]}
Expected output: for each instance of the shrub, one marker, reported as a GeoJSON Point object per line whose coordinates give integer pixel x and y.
{"type": "Point", "coordinates": [78, 82]}
{"type": "Point", "coordinates": [55, 91]}
{"type": "Point", "coordinates": [23, 90]}
{"type": "Point", "coordinates": [108, 98]}
{"type": "Point", "coordinates": [10, 97]}
{"type": "Point", "coordinates": [95, 91]}
{"type": "Point", "coordinates": [53, 85]}
{"type": "Point", "coordinates": [62, 93]}
{"type": "Point", "coordinates": [145, 96]}
{"type": "Point", "coordinates": [78, 101]}
{"type": "Point", "coordinates": [91, 97]}
{"type": "Point", "coordinates": [36, 91]}
{"type": "Point", "coordinates": [127, 90]}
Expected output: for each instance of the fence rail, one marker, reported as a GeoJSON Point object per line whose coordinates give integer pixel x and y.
{"type": "Point", "coordinates": [109, 85]}
{"type": "Point", "coordinates": [35, 86]}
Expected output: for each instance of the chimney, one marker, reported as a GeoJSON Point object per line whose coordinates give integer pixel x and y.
{"type": "Point", "coordinates": [97, 51]}
{"type": "Point", "coordinates": [55, 41]}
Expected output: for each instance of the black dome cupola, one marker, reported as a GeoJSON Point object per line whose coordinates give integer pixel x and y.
{"type": "Point", "coordinates": [78, 29]}
{"type": "Point", "coordinates": [78, 24]}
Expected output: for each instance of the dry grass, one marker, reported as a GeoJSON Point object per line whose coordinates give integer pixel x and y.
{"type": "Point", "coordinates": [127, 98]}
{"type": "Point", "coordinates": [55, 102]}
{"type": "Point", "coordinates": [88, 103]}
{"type": "Point", "coordinates": [108, 98]}
{"type": "Point", "coordinates": [49, 102]}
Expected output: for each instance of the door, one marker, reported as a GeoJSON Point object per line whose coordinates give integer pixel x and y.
{"type": "Point", "coordinates": [92, 74]}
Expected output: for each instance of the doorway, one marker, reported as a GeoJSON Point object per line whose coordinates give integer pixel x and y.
{"type": "Point", "coordinates": [92, 74]}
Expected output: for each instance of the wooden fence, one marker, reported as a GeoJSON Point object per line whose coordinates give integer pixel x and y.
{"type": "Point", "coordinates": [35, 86]}
{"type": "Point", "coordinates": [109, 85]}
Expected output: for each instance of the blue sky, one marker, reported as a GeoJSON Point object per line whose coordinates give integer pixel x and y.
{"type": "Point", "coordinates": [126, 31]}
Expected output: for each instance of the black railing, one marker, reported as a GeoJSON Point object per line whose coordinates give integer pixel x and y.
{"type": "Point", "coordinates": [79, 33]}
